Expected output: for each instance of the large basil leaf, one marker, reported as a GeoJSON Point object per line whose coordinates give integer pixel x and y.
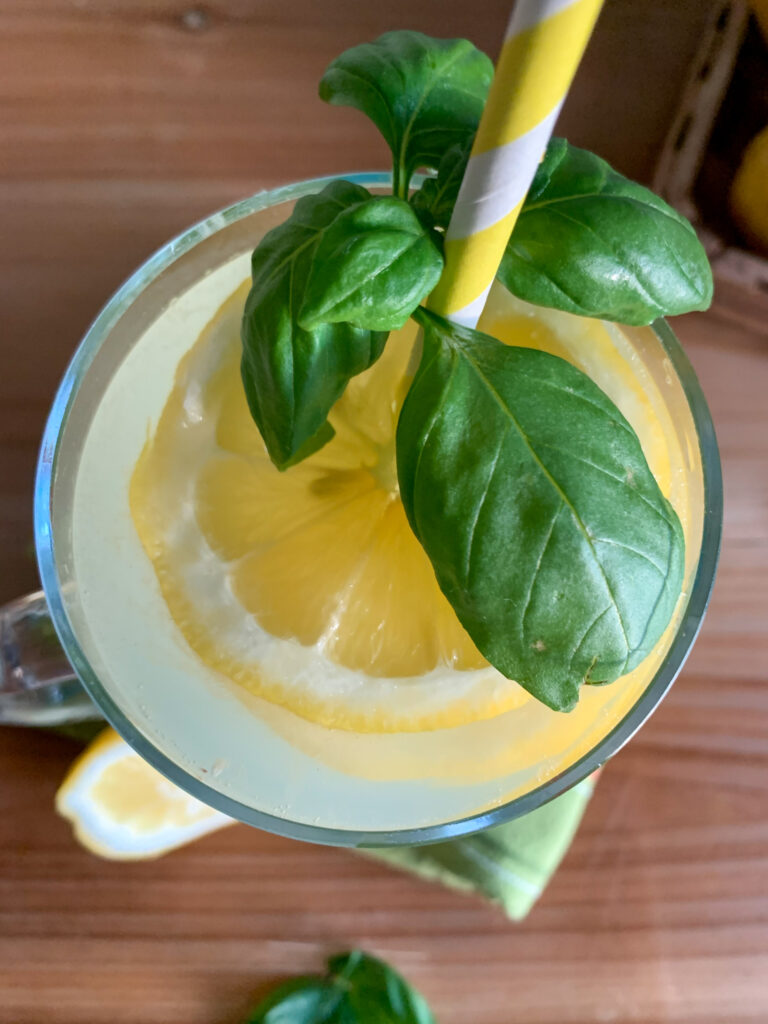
{"type": "Point", "coordinates": [423, 94]}
{"type": "Point", "coordinates": [359, 989]}
{"type": "Point", "coordinates": [590, 241]}
{"type": "Point", "coordinates": [372, 267]}
{"type": "Point", "coordinates": [292, 376]}
{"type": "Point", "coordinates": [532, 498]}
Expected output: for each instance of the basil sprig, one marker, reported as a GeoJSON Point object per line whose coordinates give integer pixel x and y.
{"type": "Point", "coordinates": [524, 484]}
{"type": "Point", "coordinates": [358, 989]}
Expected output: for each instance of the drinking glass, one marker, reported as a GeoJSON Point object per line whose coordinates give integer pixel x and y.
{"type": "Point", "coordinates": [284, 774]}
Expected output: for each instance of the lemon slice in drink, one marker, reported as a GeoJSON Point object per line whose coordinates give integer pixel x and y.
{"type": "Point", "coordinates": [121, 808]}
{"type": "Point", "coordinates": [308, 588]}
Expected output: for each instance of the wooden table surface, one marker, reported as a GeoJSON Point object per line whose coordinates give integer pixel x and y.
{"type": "Point", "coordinates": [121, 121]}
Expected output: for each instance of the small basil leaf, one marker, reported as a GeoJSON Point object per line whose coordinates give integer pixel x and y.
{"type": "Point", "coordinates": [590, 241]}
{"type": "Point", "coordinates": [372, 267]}
{"type": "Point", "coordinates": [291, 375]}
{"type": "Point", "coordinates": [375, 993]}
{"type": "Point", "coordinates": [309, 1000]}
{"type": "Point", "coordinates": [531, 495]}
{"type": "Point", "coordinates": [423, 94]}
{"type": "Point", "coordinates": [359, 989]}
{"type": "Point", "coordinates": [435, 200]}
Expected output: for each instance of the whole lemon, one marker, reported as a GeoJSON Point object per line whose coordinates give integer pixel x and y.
{"type": "Point", "coordinates": [760, 10]}
{"type": "Point", "coordinates": [749, 192]}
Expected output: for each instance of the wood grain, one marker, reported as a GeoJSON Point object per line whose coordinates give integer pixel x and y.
{"type": "Point", "coordinates": [121, 122]}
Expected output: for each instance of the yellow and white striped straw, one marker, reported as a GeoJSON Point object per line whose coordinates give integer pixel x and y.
{"type": "Point", "coordinates": [542, 48]}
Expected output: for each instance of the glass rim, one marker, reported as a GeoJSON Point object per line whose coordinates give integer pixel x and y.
{"type": "Point", "coordinates": [609, 745]}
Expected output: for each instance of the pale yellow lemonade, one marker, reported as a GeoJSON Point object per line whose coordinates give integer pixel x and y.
{"type": "Point", "coordinates": [291, 620]}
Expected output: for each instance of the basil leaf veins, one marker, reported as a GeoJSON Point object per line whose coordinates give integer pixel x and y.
{"type": "Point", "coordinates": [292, 375]}
{"type": "Point", "coordinates": [531, 495]}
{"type": "Point", "coordinates": [590, 241]}
{"type": "Point", "coordinates": [423, 94]}
{"type": "Point", "coordinates": [372, 267]}
{"type": "Point", "coordinates": [359, 989]}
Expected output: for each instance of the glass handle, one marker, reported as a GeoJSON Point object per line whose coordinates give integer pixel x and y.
{"type": "Point", "coordinates": [37, 684]}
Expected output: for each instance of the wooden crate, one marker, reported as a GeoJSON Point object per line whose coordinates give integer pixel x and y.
{"type": "Point", "coordinates": [724, 104]}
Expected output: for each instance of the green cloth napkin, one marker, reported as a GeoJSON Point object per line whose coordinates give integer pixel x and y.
{"type": "Point", "coordinates": [510, 864]}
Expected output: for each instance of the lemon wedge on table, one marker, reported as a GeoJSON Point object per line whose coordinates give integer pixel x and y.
{"type": "Point", "coordinates": [121, 808]}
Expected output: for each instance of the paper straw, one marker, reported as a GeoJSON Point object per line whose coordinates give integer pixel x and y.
{"type": "Point", "coordinates": [542, 48]}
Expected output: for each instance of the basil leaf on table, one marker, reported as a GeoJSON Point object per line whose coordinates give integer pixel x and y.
{"type": "Point", "coordinates": [292, 375]}
{"type": "Point", "coordinates": [423, 94]}
{"type": "Point", "coordinates": [372, 267]}
{"type": "Point", "coordinates": [589, 241]}
{"type": "Point", "coordinates": [435, 200]}
{"type": "Point", "coordinates": [359, 989]}
{"type": "Point", "coordinates": [531, 495]}
{"type": "Point", "coordinates": [311, 1000]}
{"type": "Point", "coordinates": [375, 993]}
